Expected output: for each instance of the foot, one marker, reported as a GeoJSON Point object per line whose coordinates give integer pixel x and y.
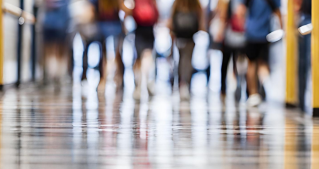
{"type": "Point", "coordinates": [137, 93]}
{"type": "Point", "coordinates": [101, 86]}
{"type": "Point", "coordinates": [151, 88]}
{"type": "Point", "coordinates": [118, 79]}
{"type": "Point", "coordinates": [184, 92]}
{"type": "Point", "coordinates": [223, 98]}
{"type": "Point", "coordinates": [254, 100]}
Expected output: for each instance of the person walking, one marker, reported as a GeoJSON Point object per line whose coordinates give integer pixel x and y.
{"type": "Point", "coordinates": [232, 40]}
{"type": "Point", "coordinates": [55, 24]}
{"type": "Point", "coordinates": [258, 26]}
{"type": "Point", "coordinates": [304, 45]}
{"type": "Point", "coordinates": [145, 14]}
{"type": "Point", "coordinates": [186, 19]}
{"type": "Point", "coordinates": [108, 24]}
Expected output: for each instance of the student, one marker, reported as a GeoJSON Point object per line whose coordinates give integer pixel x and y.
{"type": "Point", "coordinates": [232, 41]}
{"type": "Point", "coordinates": [257, 28]}
{"type": "Point", "coordinates": [55, 25]}
{"type": "Point", "coordinates": [108, 24]}
{"type": "Point", "coordinates": [186, 19]}
{"type": "Point", "coordinates": [304, 43]}
{"type": "Point", "coordinates": [146, 16]}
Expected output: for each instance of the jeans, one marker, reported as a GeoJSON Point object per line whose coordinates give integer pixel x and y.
{"type": "Point", "coordinates": [304, 63]}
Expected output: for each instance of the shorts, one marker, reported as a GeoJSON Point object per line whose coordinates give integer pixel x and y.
{"type": "Point", "coordinates": [54, 35]}
{"type": "Point", "coordinates": [109, 28]}
{"type": "Point", "coordinates": [257, 51]}
{"type": "Point", "coordinates": [144, 39]}
{"type": "Point", "coordinates": [55, 24]}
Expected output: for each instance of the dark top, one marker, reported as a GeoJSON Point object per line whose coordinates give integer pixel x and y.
{"type": "Point", "coordinates": [306, 7]}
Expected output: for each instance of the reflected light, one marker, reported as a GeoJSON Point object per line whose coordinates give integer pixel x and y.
{"type": "Point", "coordinates": [163, 41]}
{"type": "Point", "coordinates": [94, 54]}
{"type": "Point", "coordinates": [122, 15]}
{"type": "Point", "coordinates": [129, 23]}
{"type": "Point", "coordinates": [93, 77]}
{"type": "Point", "coordinates": [200, 60]}
{"type": "Point", "coordinates": [204, 3]}
{"type": "Point", "coordinates": [78, 49]}
{"type": "Point", "coordinates": [129, 4]}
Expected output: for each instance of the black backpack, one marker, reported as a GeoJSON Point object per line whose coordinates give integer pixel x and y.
{"type": "Point", "coordinates": [185, 24]}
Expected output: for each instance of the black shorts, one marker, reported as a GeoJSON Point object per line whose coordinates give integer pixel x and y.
{"type": "Point", "coordinates": [53, 35]}
{"type": "Point", "coordinates": [144, 39]}
{"type": "Point", "coordinates": [257, 51]}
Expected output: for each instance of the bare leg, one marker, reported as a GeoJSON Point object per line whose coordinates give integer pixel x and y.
{"type": "Point", "coordinates": [185, 69]}
{"type": "Point", "coordinates": [63, 61]}
{"type": "Point", "coordinates": [263, 72]}
{"type": "Point", "coordinates": [103, 69]}
{"type": "Point", "coordinates": [252, 78]}
{"type": "Point", "coordinates": [119, 73]}
{"type": "Point", "coordinates": [252, 84]}
{"type": "Point", "coordinates": [138, 78]}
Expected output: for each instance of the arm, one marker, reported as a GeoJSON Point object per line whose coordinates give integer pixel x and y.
{"type": "Point", "coordinates": [275, 7]}
{"type": "Point", "coordinates": [278, 14]}
{"type": "Point", "coordinates": [201, 21]}
{"type": "Point", "coordinates": [171, 28]}
{"type": "Point", "coordinates": [222, 8]}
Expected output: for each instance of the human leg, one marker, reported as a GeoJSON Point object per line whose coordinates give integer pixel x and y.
{"type": "Point", "coordinates": [226, 57]}
{"type": "Point", "coordinates": [185, 67]}
{"type": "Point", "coordinates": [253, 53]}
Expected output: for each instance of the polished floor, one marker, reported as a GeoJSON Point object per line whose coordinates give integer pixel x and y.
{"type": "Point", "coordinates": [79, 128]}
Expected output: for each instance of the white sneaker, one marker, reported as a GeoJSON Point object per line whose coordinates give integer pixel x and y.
{"type": "Point", "coordinates": [254, 100]}
{"type": "Point", "coordinates": [184, 92]}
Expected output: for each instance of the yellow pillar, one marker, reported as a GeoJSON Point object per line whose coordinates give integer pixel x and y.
{"type": "Point", "coordinates": [315, 147]}
{"type": "Point", "coordinates": [291, 51]}
{"type": "Point", "coordinates": [1, 45]}
{"type": "Point", "coordinates": [290, 148]}
{"type": "Point", "coordinates": [315, 57]}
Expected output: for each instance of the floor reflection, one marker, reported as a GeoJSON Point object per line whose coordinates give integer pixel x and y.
{"type": "Point", "coordinates": [79, 128]}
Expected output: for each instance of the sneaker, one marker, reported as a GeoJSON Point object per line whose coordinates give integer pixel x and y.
{"type": "Point", "coordinates": [184, 92]}
{"type": "Point", "coordinates": [254, 100]}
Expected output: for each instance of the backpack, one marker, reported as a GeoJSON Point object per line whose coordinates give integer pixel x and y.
{"type": "Point", "coordinates": [145, 13]}
{"type": "Point", "coordinates": [108, 10]}
{"type": "Point", "coordinates": [235, 31]}
{"type": "Point", "coordinates": [185, 24]}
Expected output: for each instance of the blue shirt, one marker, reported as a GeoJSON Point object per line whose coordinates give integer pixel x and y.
{"type": "Point", "coordinates": [258, 20]}
{"type": "Point", "coordinates": [54, 4]}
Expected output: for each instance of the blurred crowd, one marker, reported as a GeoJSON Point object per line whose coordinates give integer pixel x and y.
{"type": "Point", "coordinates": [241, 29]}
